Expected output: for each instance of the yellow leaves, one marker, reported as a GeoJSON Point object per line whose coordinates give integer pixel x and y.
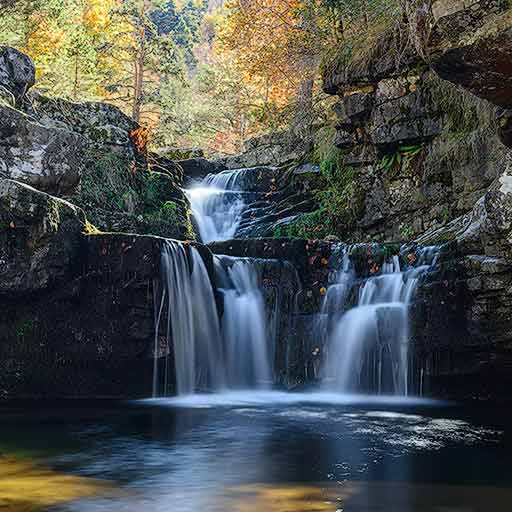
{"type": "Point", "coordinates": [28, 487]}
{"type": "Point", "coordinates": [97, 14]}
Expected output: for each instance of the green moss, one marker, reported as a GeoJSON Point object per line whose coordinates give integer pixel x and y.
{"type": "Point", "coordinates": [118, 195]}
{"type": "Point", "coordinates": [24, 328]}
{"type": "Point", "coordinates": [53, 213]}
{"type": "Point", "coordinates": [340, 200]}
{"type": "Point", "coordinates": [406, 231]}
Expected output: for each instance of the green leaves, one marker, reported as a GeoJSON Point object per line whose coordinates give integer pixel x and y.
{"type": "Point", "coordinates": [404, 153]}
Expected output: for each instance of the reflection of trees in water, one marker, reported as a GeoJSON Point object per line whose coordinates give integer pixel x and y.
{"type": "Point", "coordinates": [365, 497]}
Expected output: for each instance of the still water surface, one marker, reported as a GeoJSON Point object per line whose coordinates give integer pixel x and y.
{"type": "Point", "coordinates": [249, 452]}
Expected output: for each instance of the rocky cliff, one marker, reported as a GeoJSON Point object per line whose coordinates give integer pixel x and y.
{"type": "Point", "coordinates": [424, 122]}
{"type": "Point", "coordinates": [75, 303]}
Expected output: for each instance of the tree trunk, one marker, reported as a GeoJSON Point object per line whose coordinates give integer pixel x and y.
{"type": "Point", "coordinates": [138, 79]}
{"type": "Point", "coordinates": [75, 83]}
{"type": "Point", "coordinates": [138, 87]}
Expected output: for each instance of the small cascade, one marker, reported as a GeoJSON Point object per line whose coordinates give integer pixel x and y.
{"type": "Point", "coordinates": [368, 344]}
{"type": "Point", "coordinates": [336, 298]}
{"type": "Point", "coordinates": [217, 205]}
{"type": "Point", "coordinates": [193, 334]}
{"type": "Point", "coordinates": [246, 334]}
{"type": "Point", "coordinates": [220, 200]}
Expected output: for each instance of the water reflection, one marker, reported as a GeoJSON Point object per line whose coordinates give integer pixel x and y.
{"type": "Point", "coordinates": [285, 457]}
{"type": "Point", "coordinates": [27, 487]}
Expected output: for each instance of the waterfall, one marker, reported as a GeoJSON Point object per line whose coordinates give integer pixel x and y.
{"type": "Point", "coordinates": [192, 323]}
{"type": "Point", "coordinates": [217, 205]}
{"type": "Point", "coordinates": [368, 344]}
{"type": "Point", "coordinates": [235, 353]}
{"type": "Point", "coordinates": [246, 332]}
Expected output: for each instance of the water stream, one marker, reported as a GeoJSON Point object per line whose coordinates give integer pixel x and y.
{"type": "Point", "coordinates": [228, 341]}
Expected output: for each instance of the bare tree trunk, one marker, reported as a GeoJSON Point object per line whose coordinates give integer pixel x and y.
{"type": "Point", "coordinates": [138, 79]}
{"type": "Point", "coordinates": [138, 87]}
{"type": "Point", "coordinates": [75, 83]}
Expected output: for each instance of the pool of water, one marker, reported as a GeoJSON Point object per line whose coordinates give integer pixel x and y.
{"type": "Point", "coordinates": [256, 452]}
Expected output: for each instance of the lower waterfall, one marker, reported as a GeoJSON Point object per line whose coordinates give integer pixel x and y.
{"type": "Point", "coordinates": [245, 330]}
{"type": "Point", "coordinates": [230, 339]}
{"type": "Point", "coordinates": [206, 353]}
{"type": "Point", "coordinates": [368, 344]}
{"type": "Point", "coordinates": [192, 325]}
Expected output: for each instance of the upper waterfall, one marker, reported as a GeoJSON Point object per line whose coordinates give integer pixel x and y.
{"type": "Point", "coordinates": [220, 200]}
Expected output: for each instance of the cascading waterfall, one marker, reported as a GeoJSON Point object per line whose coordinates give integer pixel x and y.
{"type": "Point", "coordinates": [368, 344]}
{"type": "Point", "coordinates": [193, 329]}
{"type": "Point", "coordinates": [217, 205]}
{"type": "Point", "coordinates": [246, 334]}
{"type": "Point", "coordinates": [235, 353]}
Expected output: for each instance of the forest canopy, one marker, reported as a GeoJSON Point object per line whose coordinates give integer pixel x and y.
{"type": "Point", "coordinates": [202, 73]}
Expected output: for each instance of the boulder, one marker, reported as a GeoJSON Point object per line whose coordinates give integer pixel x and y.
{"type": "Point", "coordinates": [469, 43]}
{"type": "Point", "coordinates": [17, 72]}
{"type": "Point", "coordinates": [100, 123]}
{"type": "Point", "coordinates": [50, 159]}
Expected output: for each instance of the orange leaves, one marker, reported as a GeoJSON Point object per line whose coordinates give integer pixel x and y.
{"type": "Point", "coordinates": [270, 41]}
{"type": "Point", "coordinates": [140, 138]}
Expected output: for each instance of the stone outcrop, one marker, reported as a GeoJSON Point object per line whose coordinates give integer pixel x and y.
{"type": "Point", "coordinates": [87, 152]}
{"type": "Point", "coordinates": [17, 73]}
{"type": "Point", "coordinates": [39, 239]}
{"type": "Point", "coordinates": [275, 148]}
{"type": "Point", "coordinates": [469, 43]}
{"type": "Point", "coordinates": [51, 159]}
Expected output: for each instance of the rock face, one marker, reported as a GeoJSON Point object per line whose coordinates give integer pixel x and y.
{"type": "Point", "coordinates": [40, 240]}
{"type": "Point", "coordinates": [275, 149]}
{"type": "Point", "coordinates": [470, 45]}
{"type": "Point", "coordinates": [87, 152]}
{"type": "Point", "coordinates": [92, 335]}
{"type": "Point", "coordinates": [430, 160]}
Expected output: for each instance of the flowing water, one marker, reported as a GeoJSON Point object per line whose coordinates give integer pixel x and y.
{"type": "Point", "coordinates": [367, 348]}
{"type": "Point", "coordinates": [255, 452]}
{"type": "Point", "coordinates": [234, 352]}
{"type": "Point", "coordinates": [245, 330]}
{"type": "Point", "coordinates": [217, 204]}
{"type": "Point", "coordinates": [193, 333]}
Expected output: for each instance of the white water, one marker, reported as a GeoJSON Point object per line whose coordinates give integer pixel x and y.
{"type": "Point", "coordinates": [192, 323]}
{"type": "Point", "coordinates": [280, 398]}
{"type": "Point", "coordinates": [210, 355]}
{"type": "Point", "coordinates": [217, 205]}
{"type": "Point", "coordinates": [245, 330]}
{"type": "Point", "coordinates": [368, 344]}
